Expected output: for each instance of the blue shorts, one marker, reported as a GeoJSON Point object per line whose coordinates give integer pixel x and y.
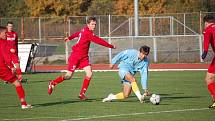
{"type": "Point", "coordinates": [122, 72]}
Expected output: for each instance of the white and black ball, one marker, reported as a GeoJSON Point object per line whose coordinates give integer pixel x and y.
{"type": "Point", "coordinates": [155, 99]}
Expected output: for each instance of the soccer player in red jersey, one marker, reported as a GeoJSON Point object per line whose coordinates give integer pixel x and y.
{"type": "Point", "coordinates": [209, 38]}
{"type": "Point", "coordinates": [7, 69]}
{"type": "Point", "coordinates": [12, 40]}
{"type": "Point", "coordinates": [79, 56]}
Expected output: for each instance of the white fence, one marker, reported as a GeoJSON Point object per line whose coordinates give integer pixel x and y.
{"type": "Point", "coordinates": [173, 38]}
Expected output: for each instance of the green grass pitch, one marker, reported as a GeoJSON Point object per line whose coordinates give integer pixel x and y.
{"type": "Point", "coordinates": [184, 98]}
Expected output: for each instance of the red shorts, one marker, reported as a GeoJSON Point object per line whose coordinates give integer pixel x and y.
{"type": "Point", "coordinates": [7, 75]}
{"type": "Point", "coordinates": [15, 58]}
{"type": "Point", "coordinates": [211, 68]}
{"type": "Point", "coordinates": [76, 61]}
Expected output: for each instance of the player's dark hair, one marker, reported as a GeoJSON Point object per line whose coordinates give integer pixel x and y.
{"type": "Point", "coordinates": [91, 18]}
{"type": "Point", "coordinates": [145, 49]}
{"type": "Point", "coordinates": [9, 22]}
{"type": "Point", "coordinates": [2, 28]}
{"type": "Point", "coordinates": [209, 19]}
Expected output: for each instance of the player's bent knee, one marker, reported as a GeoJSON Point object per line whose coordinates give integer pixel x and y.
{"type": "Point", "coordinates": [209, 79]}
{"type": "Point", "coordinates": [89, 74]}
{"type": "Point", "coordinates": [16, 83]}
{"type": "Point", "coordinates": [132, 79]}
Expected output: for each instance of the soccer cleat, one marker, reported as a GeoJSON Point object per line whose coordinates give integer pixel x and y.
{"type": "Point", "coordinates": [26, 106]}
{"type": "Point", "coordinates": [142, 99]}
{"type": "Point", "coordinates": [82, 97]}
{"type": "Point", "coordinates": [146, 93]}
{"type": "Point", "coordinates": [108, 98]}
{"type": "Point", "coordinates": [50, 88]}
{"type": "Point", "coordinates": [24, 81]}
{"type": "Point", "coordinates": [212, 105]}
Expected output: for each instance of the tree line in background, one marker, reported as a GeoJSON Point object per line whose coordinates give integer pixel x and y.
{"type": "Point", "coordinates": [52, 8]}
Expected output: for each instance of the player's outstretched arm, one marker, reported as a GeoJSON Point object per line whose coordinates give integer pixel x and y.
{"type": "Point", "coordinates": [119, 57]}
{"type": "Point", "coordinates": [207, 37]}
{"type": "Point", "coordinates": [144, 74]}
{"type": "Point", "coordinates": [144, 78]}
{"type": "Point", "coordinates": [76, 34]}
{"type": "Point", "coordinates": [204, 54]}
{"type": "Point", "coordinates": [101, 41]}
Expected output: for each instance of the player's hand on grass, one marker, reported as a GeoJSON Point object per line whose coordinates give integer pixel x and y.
{"type": "Point", "coordinates": [204, 54]}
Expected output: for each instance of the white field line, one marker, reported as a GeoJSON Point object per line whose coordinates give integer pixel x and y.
{"type": "Point", "coordinates": [104, 116]}
{"type": "Point", "coordinates": [133, 114]}
{"type": "Point", "coordinates": [37, 118]}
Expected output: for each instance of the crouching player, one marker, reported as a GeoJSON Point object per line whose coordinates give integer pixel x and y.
{"type": "Point", "coordinates": [130, 61]}
{"type": "Point", "coordinates": [7, 70]}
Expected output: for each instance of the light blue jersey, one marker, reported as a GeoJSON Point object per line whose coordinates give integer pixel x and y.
{"type": "Point", "coordinates": [129, 62]}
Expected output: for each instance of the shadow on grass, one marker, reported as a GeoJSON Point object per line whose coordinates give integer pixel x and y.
{"type": "Point", "coordinates": [58, 103]}
{"type": "Point", "coordinates": [164, 97]}
{"type": "Point", "coordinates": [172, 96]}
{"type": "Point", "coordinates": [66, 102]}
{"type": "Point", "coordinates": [46, 80]}
{"type": "Point", "coordinates": [55, 103]}
{"type": "Point", "coordinates": [10, 106]}
{"type": "Point", "coordinates": [179, 97]}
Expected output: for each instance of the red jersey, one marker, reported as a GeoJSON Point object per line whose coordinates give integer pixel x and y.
{"type": "Point", "coordinates": [12, 39]}
{"type": "Point", "coordinates": [209, 37]}
{"type": "Point", "coordinates": [5, 58]}
{"type": "Point", "coordinates": [85, 36]}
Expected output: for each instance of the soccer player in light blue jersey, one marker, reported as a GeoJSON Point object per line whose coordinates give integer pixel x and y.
{"type": "Point", "coordinates": [129, 62]}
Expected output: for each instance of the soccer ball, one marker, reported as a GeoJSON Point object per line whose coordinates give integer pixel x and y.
{"type": "Point", "coordinates": [155, 99]}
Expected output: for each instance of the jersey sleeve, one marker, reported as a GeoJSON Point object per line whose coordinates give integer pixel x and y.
{"type": "Point", "coordinates": [100, 41]}
{"type": "Point", "coordinates": [6, 55]}
{"type": "Point", "coordinates": [76, 34]}
{"type": "Point", "coordinates": [119, 57]}
{"type": "Point", "coordinates": [207, 37]}
{"type": "Point", "coordinates": [144, 76]}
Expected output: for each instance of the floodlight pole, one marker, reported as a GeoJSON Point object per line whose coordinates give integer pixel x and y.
{"type": "Point", "coordinates": [136, 18]}
{"type": "Point", "coordinates": [109, 39]}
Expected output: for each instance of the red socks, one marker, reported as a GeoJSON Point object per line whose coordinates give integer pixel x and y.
{"type": "Point", "coordinates": [85, 85]}
{"type": "Point", "coordinates": [21, 93]}
{"type": "Point", "coordinates": [23, 103]}
{"type": "Point", "coordinates": [211, 88]}
{"type": "Point", "coordinates": [58, 80]}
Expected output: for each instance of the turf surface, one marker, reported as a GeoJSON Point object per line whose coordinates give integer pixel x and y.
{"type": "Point", "coordinates": [184, 98]}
